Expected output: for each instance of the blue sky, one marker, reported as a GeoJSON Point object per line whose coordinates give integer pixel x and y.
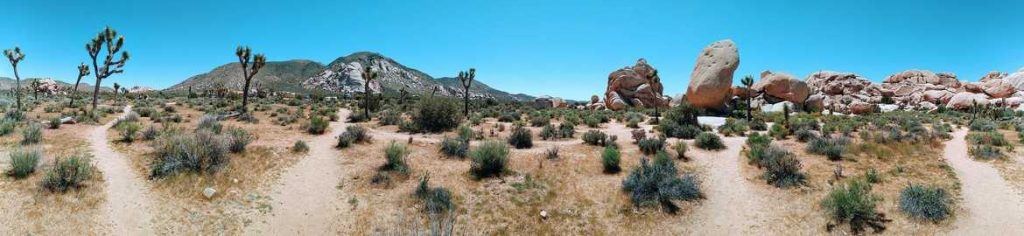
{"type": "Point", "coordinates": [561, 48]}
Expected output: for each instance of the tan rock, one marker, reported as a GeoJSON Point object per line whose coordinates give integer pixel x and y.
{"type": "Point", "coordinates": [637, 83]}
{"type": "Point", "coordinates": [783, 86]}
{"type": "Point", "coordinates": [711, 80]}
{"type": "Point", "coordinates": [965, 100]}
{"type": "Point", "coordinates": [997, 88]}
{"type": "Point", "coordinates": [861, 108]}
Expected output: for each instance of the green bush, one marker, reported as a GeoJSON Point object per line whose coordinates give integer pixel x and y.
{"type": "Point", "coordinates": [984, 125]}
{"type": "Point", "coordinates": [435, 200]}
{"type": "Point", "coordinates": [831, 147]}
{"type": "Point", "coordinates": [986, 152]}
{"type": "Point", "coordinates": [650, 146]}
{"type": "Point", "coordinates": [317, 125]}
{"type": "Point", "coordinates": [455, 147]}
{"type": "Point", "coordinates": [509, 117]}
{"type": "Point", "coordinates": [489, 159]}
{"type": "Point", "coordinates": [595, 137]}
{"type": "Point", "coordinates": [927, 203]}
{"type": "Point", "coordinates": [778, 131]}
{"type": "Point", "coordinates": [358, 133]}
{"type": "Point", "coordinates": [853, 203]}
{"type": "Point", "coordinates": [238, 139]}
{"type": "Point", "coordinates": [207, 122]}
{"type": "Point", "coordinates": [32, 134]}
{"type": "Point", "coordinates": [23, 163]}
{"type": "Point", "coordinates": [758, 125]}
{"type": "Point", "coordinates": [679, 131]}
{"type": "Point", "coordinates": [395, 154]}
{"type": "Point", "coordinates": [201, 152]}
{"type": "Point", "coordinates": [709, 141]}
{"type": "Point", "coordinates": [150, 133]}
{"type": "Point", "coordinates": [436, 115]}
{"type": "Point", "coordinates": [389, 117]}
{"type": "Point", "coordinates": [520, 138]}
{"type": "Point", "coordinates": [993, 138]}
{"type": "Point", "coordinates": [67, 173]}
{"type": "Point", "coordinates": [610, 160]}
{"type": "Point", "coordinates": [659, 183]}
{"type": "Point", "coordinates": [300, 147]}
{"type": "Point", "coordinates": [733, 127]}
{"type": "Point", "coordinates": [805, 135]}
{"type": "Point", "coordinates": [7, 126]}
{"type": "Point", "coordinates": [54, 122]}
{"type": "Point", "coordinates": [539, 120]}
{"type": "Point", "coordinates": [781, 168]}
{"type": "Point", "coordinates": [465, 132]}
{"type": "Point", "coordinates": [680, 149]}
{"type": "Point", "coordinates": [128, 130]}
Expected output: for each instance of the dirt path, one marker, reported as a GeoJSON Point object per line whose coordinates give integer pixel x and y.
{"type": "Point", "coordinates": [127, 206]}
{"type": "Point", "coordinates": [732, 206]}
{"type": "Point", "coordinates": [305, 197]}
{"type": "Point", "coordinates": [993, 208]}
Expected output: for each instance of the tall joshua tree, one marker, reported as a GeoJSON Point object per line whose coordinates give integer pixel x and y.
{"type": "Point", "coordinates": [36, 86]}
{"type": "Point", "coordinates": [113, 43]}
{"type": "Point", "coordinates": [249, 71]}
{"type": "Point", "coordinates": [14, 55]}
{"type": "Point", "coordinates": [467, 80]}
{"type": "Point", "coordinates": [368, 75]}
{"type": "Point", "coordinates": [117, 88]}
{"type": "Point", "coordinates": [748, 81]}
{"type": "Point", "coordinates": [83, 70]}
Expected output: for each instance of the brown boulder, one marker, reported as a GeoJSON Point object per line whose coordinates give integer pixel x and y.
{"type": "Point", "coordinates": [711, 80]}
{"type": "Point", "coordinates": [997, 88]}
{"type": "Point", "coordinates": [783, 86]}
{"type": "Point", "coordinates": [836, 83]}
{"type": "Point", "coordinates": [924, 77]}
{"type": "Point", "coordinates": [937, 96]}
{"type": "Point", "coordinates": [859, 107]}
{"type": "Point", "coordinates": [966, 100]}
{"type": "Point", "coordinates": [743, 92]}
{"type": "Point", "coordinates": [992, 75]}
{"type": "Point", "coordinates": [638, 85]}
{"type": "Point", "coordinates": [973, 88]}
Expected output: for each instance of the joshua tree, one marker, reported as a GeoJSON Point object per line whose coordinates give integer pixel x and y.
{"type": "Point", "coordinates": [748, 81]}
{"type": "Point", "coordinates": [124, 92]}
{"type": "Point", "coordinates": [36, 86]}
{"type": "Point", "coordinates": [467, 80]}
{"type": "Point", "coordinates": [434, 90]}
{"type": "Point", "coordinates": [368, 75]}
{"type": "Point", "coordinates": [15, 56]}
{"type": "Point", "coordinates": [248, 71]}
{"type": "Point", "coordinates": [117, 87]}
{"type": "Point", "coordinates": [785, 115]}
{"type": "Point", "coordinates": [657, 113]}
{"type": "Point", "coordinates": [83, 70]}
{"type": "Point", "coordinates": [401, 96]}
{"type": "Point", "coordinates": [110, 66]}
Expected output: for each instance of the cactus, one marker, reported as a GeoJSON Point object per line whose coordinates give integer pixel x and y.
{"type": "Point", "coordinates": [467, 80]}
{"type": "Point", "coordinates": [83, 70]}
{"type": "Point", "coordinates": [15, 55]}
{"type": "Point", "coordinates": [113, 41]}
{"type": "Point", "coordinates": [748, 81]}
{"type": "Point", "coordinates": [368, 75]}
{"type": "Point", "coordinates": [248, 71]}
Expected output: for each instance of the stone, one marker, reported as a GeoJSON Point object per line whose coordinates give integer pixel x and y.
{"type": "Point", "coordinates": [924, 77]}
{"type": "Point", "coordinates": [778, 107]}
{"type": "Point", "coordinates": [815, 103]}
{"type": "Point", "coordinates": [992, 76]}
{"type": "Point", "coordinates": [860, 108]}
{"type": "Point", "coordinates": [888, 107]}
{"type": "Point", "coordinates": [711, 80]}
{"type": "Point", "coordinates": [638, 85]}
{"type": "Point", "coordinates": [1013, 101]}
{"type": "Point", "coordinates": [1016, 79]}
{"type": "Point", "coordinates": [836, 83]}
{"type": "Point", "coordinates": [965, 100]}
{"type": "Point", "coordinates": [209, 192]}
{"type": "Point", "coordinates": [973, 88]}
{"type": "Point", "coordinates": [927, 106]}
{"type": "Point", "coordinates": [996, 88]}
{"type": "Point", "coordinates": [937, 96]}
{"type": "Point", "coordinates": [783, 86]}
{"type": "Point", "coordinates": [594, 99]}
{"type": "Point", "coordinates": [743, 92]}
{"type": "Point", "coordinates": [544, 214]}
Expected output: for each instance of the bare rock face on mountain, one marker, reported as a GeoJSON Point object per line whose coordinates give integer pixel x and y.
{"type": "Point", "coordinates": [637, 86]}
{"type": "Point", "coordinates": [924, 77]}
{"type": "Point", "coordinates": [966, 100]}
{"type": "Point", "coordinates": [781, 86]}
{"type": "Point", "coordinates": [711, 80]}
{"type": "Point", "coordinates": [838, 91]}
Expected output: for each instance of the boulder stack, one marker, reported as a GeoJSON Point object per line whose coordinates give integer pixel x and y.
{"type": "Point", "coordinates": [636, 86]}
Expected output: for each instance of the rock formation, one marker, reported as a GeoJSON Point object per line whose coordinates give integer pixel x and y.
{"type": "Point", "coordinates": [711, 80]}
{"type": "Point", "coordinates": [777, 87]}
{"type": "Point", "coordinates": [636, 86]}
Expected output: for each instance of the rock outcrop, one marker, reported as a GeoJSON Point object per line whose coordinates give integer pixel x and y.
{"type": "Point", "coordinates": [711, 80]}
{"type": "Point", "coordinates": [637, 86]}
{"type": "Point", "coordinates": [782, 87]}
{"type": "Point", "coordinates": [543, 102]}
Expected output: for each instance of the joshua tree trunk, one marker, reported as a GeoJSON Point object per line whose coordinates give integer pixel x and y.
{"type": "Point", "coordinates": [17, 81]}
{"type": "Point", "coordinates": [74, 91]}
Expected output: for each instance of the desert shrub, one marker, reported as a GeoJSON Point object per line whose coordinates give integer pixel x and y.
{"type": "Point", "coordinates": [592, 121]}
{"type": "Point", "coordinates": [986, 152]}
{"type": "Point", "coordinates": [594, 137]}
{"type": "Point", "coordinates": [854, 204]}
{"type": "Point", "coordinates": [993, 138]}
{"type": "Point", "coordinates": [238, 139]}
{"type": "Point", "coordinates": [551, 153]}
{"type": "Point", "coordinates": [317, 125]}
{"type": "Point", "coordinates": [983, 125]}
{"type": "Point", "coordinates": [465, 132]}
{"type": "Point", "coordinates": [435, 200]}
{"type": "Point", "coordinates": [510, 116]}
{"type": "Point", "coordinates": [489, 159]}
{"type": "Point", "coordinates": [345, 140]}
{"type": "Point", "coordinates": [709, 141]}
{"type": "Point", "coordinates": [300, 147]}
{"type": "Point", "coordinates": [390, 117]}
{"type": "Point", "coordinates": [831, 147]}
{"type": "Point", "coordinates": [210, 123]}
{"type": "Point", "coordinates": [650, 146]}
{"type": "Point", "coordinates": [357, 117]}
{"type": "Point", "coordinates": [150, 133]}
{"type": "Point", "coordinates": [548, 132]}
{"type": "Point", "coordinates": [520, 138]}
{"type": "Point", "coordinates": [807, 123]}
{"type": "Point", "coordinates": [23, 163]}
{"type": "Point", "coordinates": [358, 133]}
{"type": "Point", "coordinates": [927, 203]}
{"type": "Point", "coordinates": [436, 115]}
{"type": "Point", "coordinates": [805, 135]}
{"type": "Point", "coordinates": [757, 125]}
{"type": "Point", "coordinates": [567, 129]}
{"type": "Point", "coordinates": [610, 159]}
{"type": "Point", "coordinates": [201, 152]}
{"type": "Point", "coordinates": [7, 126]}
{"type": "Point", "coordinates": [733, 127]}
{"type": "Point", "coordinates": [54, 123]}
{"type": "Point", "coordinates": [539, 120]}
{"type": "Point", "coordinates": [455, 147]}
{"type": "Point", "coordinates": [32, 134]}
{"type": "Point", "coordinates": [781, 168]}
{"type": "Point", "coordinates": [680, 149]}
{"type": "Point", "coordinates": [679, 131]}
{"type": "Point", "coordinates": [128, 130]}
{"type": "Point", "coordinates": [395, 154]}
{"type": "Point", "coordinates": [756, 139]}
{"type": "Point", "coordinates": [872, 176]}
{"type": "Point", "coordinates": [67, 173]}
{"type": "Point", "coordinates": [778, 131]}
{"type": "Point", "coordinates": [660, 183]}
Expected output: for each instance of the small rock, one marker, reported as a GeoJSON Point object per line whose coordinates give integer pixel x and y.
{"type": "Point", "coordinates": [209, 192]}
{"type": "Point", "coordinates": [544, 214]}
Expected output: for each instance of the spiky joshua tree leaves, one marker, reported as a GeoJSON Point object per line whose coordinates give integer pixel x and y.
{"type": "Point", "coordinates": [83, 71]}
{"type": "Point", "coordinates": [113, 42]}
{"type": "Point", "coordinates": [748, 81]}
{"type": "Point", "coordinates": [368, 75]}
{"type": "Point", "coordinates": [467, 80]}
{"type": "Point", "coordinates": [249, 71]}
{"type": "Point", "coordinates": [14, 55]}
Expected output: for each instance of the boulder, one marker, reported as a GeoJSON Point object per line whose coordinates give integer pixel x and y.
{"type": "Point", "coordinates": [973, 88]}
{"type": "Point", "coordinates": [860, 108]}
{"type": "Point", "coordinates": [638, 85]}
{"type": "Point", "coordinates": [927, 106]}
{"type": "Point", "coordinates": [937, 96]}
{"type": "Point", "coordinates": [965, 100]}
{"type": "Point", "coordinates": [778, 107]}
{"type": "Point", "coordinates": [996, 88]}
{"type": "Point", "coordinates": [543, 102]}
{"type": "Point", "coordinates": [743, 92]}
{"type": "Point", "coordinates": [783, 86]}
{"type": "Point", "coordinates": [836, 83]}
{"type": "Point", "coordinates": [815, 103]}
{"type": "Point", "coordinates": [992, 76]}
{"type": "Point", "coordinates": [1016, 79]}
{"type": "Point", "coordinates": [924, 77]}
{"type": "Point", "coordinates": [1013, 101]}
{"type": "Point", "coordinates": [711, 80]}
{"type": "Point", "coordinates": [888, 107]}
{"type": "Point", "coordinates": [209, 192]}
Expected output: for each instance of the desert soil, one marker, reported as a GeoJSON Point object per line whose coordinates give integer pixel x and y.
{"type": "Point", "coordinates": [128, 203]}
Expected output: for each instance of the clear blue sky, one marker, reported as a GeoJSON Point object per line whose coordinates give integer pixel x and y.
{"type": "Point", "coordinates": [561, 48]}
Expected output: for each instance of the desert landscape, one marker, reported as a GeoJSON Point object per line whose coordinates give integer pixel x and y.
{"type": "Point", "coordinates": [365, 145]}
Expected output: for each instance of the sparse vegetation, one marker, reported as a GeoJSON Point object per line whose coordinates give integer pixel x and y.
{"type": "Point", "coordinates": [23, 163]}
{"type": "Point", "coordinates": [32, 134]}
{"type": "Point", "coordinates": [201, 152]}
{"type": "Point", "coordinates": [853, 203]}
{"type": "Point", "coordinates": [67, 173]}
{"type": "Point", "coordinates": [396, 154]}
{"type": "Point", "coordinates": [927, 203]}
{"type": "Point", "coordinates": [709, 141]}
{"type": "Point", "coordinates": [610, 160]}
{"type": "Point", "coordinates": [489, 159]}
{"type": "Point", "coordinates": [520, 138]}
{"type": "Point", "coordinates": [660, 183]}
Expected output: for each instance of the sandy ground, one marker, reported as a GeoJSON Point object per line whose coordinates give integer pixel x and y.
{"type": "Point", "coordinates": [993, 208]}
{"type": "Point", "coordinates": [306, 196]}
{"type": "Point", "coordinates": [127, 209]}
{"type": "Point", "coordinates": [732, 207]}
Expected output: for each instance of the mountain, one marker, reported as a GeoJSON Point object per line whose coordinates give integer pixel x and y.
{"type": "Point", "coordinates": [280, 75]}
{"type": "Point", "coordinates": [343, 75]}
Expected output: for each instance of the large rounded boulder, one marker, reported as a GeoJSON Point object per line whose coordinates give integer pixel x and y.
{"type": "Point", "coordinates": [783, 86]}
{"type": "Point", "coordinates": [637, 86]}
{"type": "Point", "coordinates": [966, 100]}
{"type": "Point", "coordinates": [711, 80]}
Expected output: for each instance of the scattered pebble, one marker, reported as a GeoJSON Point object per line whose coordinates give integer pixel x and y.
{"type": "Point", "coordinates": [209, 192]}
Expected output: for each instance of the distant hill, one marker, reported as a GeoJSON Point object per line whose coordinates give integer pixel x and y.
{"type": "Point", "coordinates": [343, 75]}
{"type": "Point", "coordinates": [9, 83]}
